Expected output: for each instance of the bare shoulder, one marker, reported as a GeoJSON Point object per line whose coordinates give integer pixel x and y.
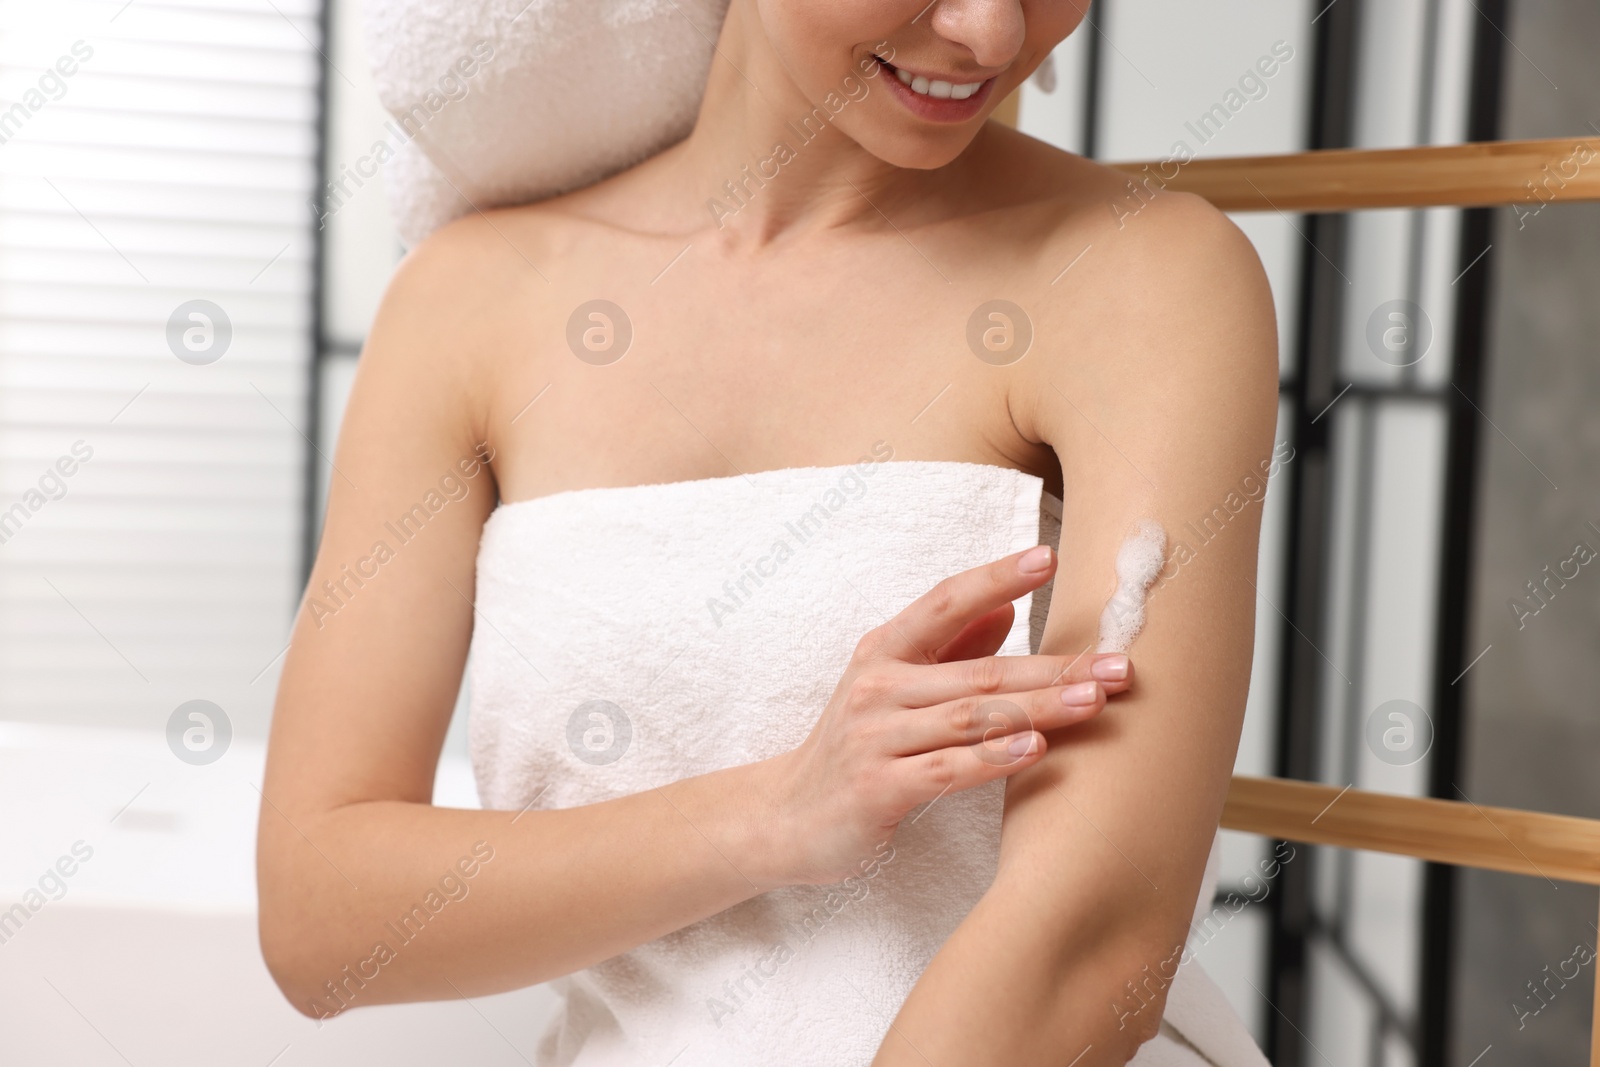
{"type": "Point", "coordinates": [1176, 274]}
{"type": "Point", "coordinates": [475, 263]}
{"type": "Point", "coordinates": [1121, 250]}
{"type": "Point", "coordinates": [1160, 301]}
{"type": "Point", "coordinates": [458, 299]}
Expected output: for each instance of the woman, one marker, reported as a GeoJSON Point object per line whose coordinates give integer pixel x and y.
{"type": "Point", "coordinates": [770, 419]}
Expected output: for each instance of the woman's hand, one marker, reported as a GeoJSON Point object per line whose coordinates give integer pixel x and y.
{"type": "Point", "coordinates": [925, 708]}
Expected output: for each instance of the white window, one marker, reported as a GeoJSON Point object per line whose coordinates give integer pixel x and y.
{"type": "Point", "coordinates": [156, 271]}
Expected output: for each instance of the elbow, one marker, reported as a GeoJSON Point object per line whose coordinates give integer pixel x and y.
{"type": "Point", "coordinates": [1140, 1028]}
{"type": "Point", "coordinates": [293, 934]}
{"type": "Point", "coordinates": [1142, 970]}
{"type": "Point", "coordinates": [293, 971]}
{"type": "Point", "coordinates": [295, 927]}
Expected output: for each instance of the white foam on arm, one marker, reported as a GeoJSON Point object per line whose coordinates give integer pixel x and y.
{"type": "Point", "coordinates": [1139, 560]}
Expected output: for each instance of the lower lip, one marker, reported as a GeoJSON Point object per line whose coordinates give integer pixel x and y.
{"type": "Point", "coordinates": [934, 109]}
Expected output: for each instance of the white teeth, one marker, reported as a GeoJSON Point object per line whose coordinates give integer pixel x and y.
{"type": "Point", "coordinates": [939, 90]}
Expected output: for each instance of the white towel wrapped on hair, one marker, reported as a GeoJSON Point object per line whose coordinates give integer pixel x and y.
{"type": "Point", "coordinates": [561, 94]}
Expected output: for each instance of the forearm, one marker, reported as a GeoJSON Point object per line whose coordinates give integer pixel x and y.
{"type": "Point", "coordinates": [1015, 984]}
{"type": "Point", "coordinates": [549, 892]}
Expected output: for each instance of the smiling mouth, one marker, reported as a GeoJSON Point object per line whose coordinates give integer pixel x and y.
{"type": "Point", "coordinates": [936, 89]}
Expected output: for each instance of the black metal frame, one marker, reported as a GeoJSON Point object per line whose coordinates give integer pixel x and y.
{"type": "Point", "coordinates": [1462, 478]}
{"type": "Point", "coordinates": [1310, 390]}
{"type": "Point", "coordinates": [311, 497]}
{"type": "Point", "coordinates": [1091, 78]}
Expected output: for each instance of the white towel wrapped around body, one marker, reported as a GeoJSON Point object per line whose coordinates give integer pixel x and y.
{"type": "Point", "coordinates": [636, 636]}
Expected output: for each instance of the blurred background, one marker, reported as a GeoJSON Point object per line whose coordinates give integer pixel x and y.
{"type": "Point", "coordinates": [193, 240]}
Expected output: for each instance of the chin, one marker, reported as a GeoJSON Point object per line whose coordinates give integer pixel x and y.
{"type": "Point", "coordinates": [917, 153]}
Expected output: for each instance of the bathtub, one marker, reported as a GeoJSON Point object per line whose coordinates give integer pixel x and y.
{"type": "Point", "coordinates": [142, 949]}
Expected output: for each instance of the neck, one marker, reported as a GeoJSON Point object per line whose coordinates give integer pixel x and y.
{"type": "Point", "coordinates": [766, 161]}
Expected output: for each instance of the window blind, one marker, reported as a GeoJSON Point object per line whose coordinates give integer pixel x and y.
{"type": "Point", "coordinates": [156, 277]}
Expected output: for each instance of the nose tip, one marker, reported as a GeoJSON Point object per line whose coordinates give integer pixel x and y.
{"type": "Point", "coordinates": [992, 30]}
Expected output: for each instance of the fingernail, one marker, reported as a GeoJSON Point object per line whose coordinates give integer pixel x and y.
{"type": "Point", "coordinates": [1023, 744]}
{"type": "Point", "coordinates": [1080, 694]}
{"type": "Point", "coordinates": [1110, 669]}
{"type": "Point", "coordinates": [1035, 560]}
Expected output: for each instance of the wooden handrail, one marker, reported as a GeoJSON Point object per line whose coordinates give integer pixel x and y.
{"type": "Point", "coordinates": [1457, 832]}
{"type": "Point", "coordinates": [1482, 174]}
{"type": "Point", "coordinates": [1529, 173]}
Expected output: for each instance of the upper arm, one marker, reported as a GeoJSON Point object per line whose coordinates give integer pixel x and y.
{"type": "Point", "coordinates": [378, 646]}
{"type": "Point", "coordinates": [1164, 409]}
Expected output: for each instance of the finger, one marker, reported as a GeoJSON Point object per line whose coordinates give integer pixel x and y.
{"type": "Point", "coordinates": [923, 686]}
{"type": "Point", "coordinates": [983, 636]}
{"type": "Point", "coordinates": [1114, 670]}
{"type": "Point", "coordinates": [935, 618]}
{"type": "Point", "coordinates": [984, 719]}
{"type": "Point", "coordinates": [931, 775]}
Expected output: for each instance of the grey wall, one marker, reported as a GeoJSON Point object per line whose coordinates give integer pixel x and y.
{"type": "Point", "coordinates": [1533, 737]}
